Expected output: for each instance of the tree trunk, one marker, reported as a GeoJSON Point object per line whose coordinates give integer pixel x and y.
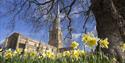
{"type": "Point", "coordinates": [110, 19]}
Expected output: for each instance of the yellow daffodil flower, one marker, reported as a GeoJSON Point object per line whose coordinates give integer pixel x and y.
{"type": "Point", "coordinates": [75, 54]}
{"type": "Point", "coordinates": [8, 54]}
{"type": "Point", "coordinates": [74, 44]}
{"type": "Point", "coordinates": [89, 40]}
{"type": "Point", "coordinates": [114, 59]}
{"type": "Point", "coordinates": [82, 52]}
{"type": "Point", "coordinates": [50, 54]}
{"type": "Point", "coordinates": [59, 55]}
{"type": "Point", "coordinates": [104, 43]}
{"type": "Point", "coordinates": [66, 53]}
{"type": "Point", "coordinates": [123, 47]}
{"type": "Point", "coordinates": [18, 50]}
{"type": "Point", "coordinates": [1, 50]}
{"type": "Point", "coordinates": [92, 42]}
{"type": "Point", "coordinates": [43, 54]}
{"type": "Point", "coordinates": [86, 38]}
{"type": "Point", "coordinates": [33, 53]}
{"type": "Point", "coordinates": [25, 50]}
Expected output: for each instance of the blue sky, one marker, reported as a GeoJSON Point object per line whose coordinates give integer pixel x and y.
{"type": "Point", "coordinates": [26, 28]}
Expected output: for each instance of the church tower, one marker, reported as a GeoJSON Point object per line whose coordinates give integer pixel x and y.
{"type": "Point", "coordinates": [55, 34]}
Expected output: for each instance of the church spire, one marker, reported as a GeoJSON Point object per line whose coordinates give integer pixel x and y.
{"type": "Point", "coordinates": [56, 34]}
{"type": "Point", "coordinates": [57, 21]}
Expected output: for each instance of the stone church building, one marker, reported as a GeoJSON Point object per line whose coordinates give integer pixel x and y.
{"type": "Point", "coordinates": [17, 40]}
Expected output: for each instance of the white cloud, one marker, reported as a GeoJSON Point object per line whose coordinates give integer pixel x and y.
{"type": "Point", "coordinates": [94, 31]}
{"type": "Point", "coordinates": [75, 36]}
{"type": "Point", "coordinates": [2, 41]}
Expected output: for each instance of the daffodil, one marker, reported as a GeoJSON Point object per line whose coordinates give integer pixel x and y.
{"type": "Point", "coordinates": [86, 38]}
{"type": "Point", "coordinates": [1, 49]}
{"type": "Point", "coordinates": [8, 54]}
{"type": "Point", "coordinates": [74, 44]}
{"type": "Point", "coordinates": [114, 59]}
{"type": "Point", "coordinates": [33, 53]}
{"type": "Point", "coordinates": [104, 43]}
{"type": "Point", "coordinates": [59, 55]}
{"type": "Point", "coordinates": [18, 50]}
{"type": "Point", "coordinates": [123, 47]}
{"type": "Point", "coordinates": [89, 40]}
{"type": "Point", "coordinates": [43, 54]}
{"type": "Point", "coordinates": [14, 53]}
{"type": "Point", "coordinates": [92, 42]}
{"type": "Point", "coordinates": [82, 52]}
{"type": "Point", "coordinates": [50, 54]}
{"type": "Point", "coordinates": [66, 53]}
{"type": "Point", "coordinates": [40, 57]}
{"type": "Point", "coordinates": [25, 50]}
{"type": "Point", "coordinates": [75, 54]}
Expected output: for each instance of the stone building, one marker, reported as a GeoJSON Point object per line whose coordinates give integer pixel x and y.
{"type": "Point", "coordinates": [17, 40]}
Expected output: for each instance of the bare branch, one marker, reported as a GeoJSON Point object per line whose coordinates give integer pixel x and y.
{"type": "Point", "coordinates": [37, 3]}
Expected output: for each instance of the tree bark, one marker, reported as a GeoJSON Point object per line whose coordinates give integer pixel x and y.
{"type": "Point", "coordinates": [110, 23]}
